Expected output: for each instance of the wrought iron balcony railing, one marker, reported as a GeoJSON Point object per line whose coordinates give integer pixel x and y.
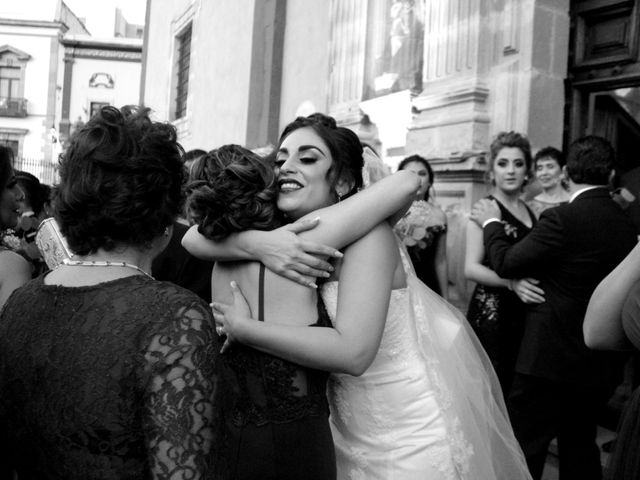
{"type": "Point", "coordinates": [13, 107]}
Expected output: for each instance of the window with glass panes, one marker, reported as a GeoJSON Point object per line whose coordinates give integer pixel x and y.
{"type": "Point", "coordinates": [9, 82]}
{"type": "Point", "coordinates": [182, 81]}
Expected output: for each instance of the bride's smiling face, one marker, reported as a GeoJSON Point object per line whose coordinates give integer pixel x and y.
{"type": "Point", "coordinates": [303, 162]}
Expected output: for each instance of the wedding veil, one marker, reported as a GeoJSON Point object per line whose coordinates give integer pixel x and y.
{"type": "Point", "coordinates": [467, 389]}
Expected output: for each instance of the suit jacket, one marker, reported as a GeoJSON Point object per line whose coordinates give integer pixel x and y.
{"type": "Point", "coordinates": [174, 264]}
{"type": "Point", "coordinates": [570, 250]}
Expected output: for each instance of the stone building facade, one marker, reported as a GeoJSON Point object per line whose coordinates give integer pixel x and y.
{"type": "Point", "coordinates": [31, 59]}
{"type": "Point", "coordinates": [53, 74]}
{"type": "Point", "coordinates": [97, 72]}
{"type": "Point", "coordinates": [437, 77]}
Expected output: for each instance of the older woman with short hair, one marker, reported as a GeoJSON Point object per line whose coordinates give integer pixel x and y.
{"type": "Point", "coordinates": [104, 371]}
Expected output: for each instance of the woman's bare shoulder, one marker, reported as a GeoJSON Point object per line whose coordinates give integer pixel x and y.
{"type": "Point", "coordinates": [10, 259]}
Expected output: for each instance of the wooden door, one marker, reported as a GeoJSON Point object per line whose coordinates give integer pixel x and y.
{"type": "Point", "coordinates": [603, 98]}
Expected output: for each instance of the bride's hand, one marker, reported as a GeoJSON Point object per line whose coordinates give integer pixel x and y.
{"type": "Point", "coordinates": [283, 252]}
{"type": "Point", "coordinates": [231, 317]}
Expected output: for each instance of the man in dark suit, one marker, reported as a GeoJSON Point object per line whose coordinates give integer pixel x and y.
{"type": "Point", "coordinates": [561, 386]}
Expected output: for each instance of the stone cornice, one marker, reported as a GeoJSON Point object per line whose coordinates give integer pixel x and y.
{"type": "Point", "coordinates": [13, 131]}
{"type": "Point", "coordinates": [475, 94]}
{"type": "Point", "coordinates": [84, 41]}
{"type": "Point", "coordinates": [473, 159]}
{"type": "Point", "coordinates": [105, 49]}
{"type": "Point", "coordinates": [104, 54]}
{"type": "Point", "coordinates": [20, 55]}
{"type": "Point", "coordinates": [459, 176]}
{"type": "Point", "coordinates": [34, 23]}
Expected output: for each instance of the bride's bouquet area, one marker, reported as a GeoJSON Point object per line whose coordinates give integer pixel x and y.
{"type": "Point", "coordinates": [418, 227]}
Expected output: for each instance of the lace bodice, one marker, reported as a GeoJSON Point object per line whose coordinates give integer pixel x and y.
{"type": "Point", "coordinates": [398, 343]}
{"type": "Point", "coordinates": [262, 389]}
{"type": "Point", "coordinates": [426, 407]}
{"type": "Point", "coordinates": [113, 381]}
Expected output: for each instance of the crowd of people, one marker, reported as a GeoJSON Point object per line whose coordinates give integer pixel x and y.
{"type": "Point", "coordinates": [224, 315]}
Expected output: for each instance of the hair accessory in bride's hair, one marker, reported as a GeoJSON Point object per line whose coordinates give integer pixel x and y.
{"type": "Point", "coordinates": [374, 168]}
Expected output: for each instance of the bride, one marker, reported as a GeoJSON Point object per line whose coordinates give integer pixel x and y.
{"type": "Point", "coordinates": [425, 404]}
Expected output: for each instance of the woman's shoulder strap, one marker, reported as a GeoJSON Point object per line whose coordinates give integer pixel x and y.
{"type": "Point", "coordinates": [261, 293]}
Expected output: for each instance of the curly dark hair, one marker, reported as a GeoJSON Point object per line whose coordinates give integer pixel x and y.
{"type": "Point", "coordinates": [590, 160]}
{"type": "Point", "coordinates": [510, 140]}
{"type": "Point", "coordinates": [417, 158]}
{"type": "Point", "coordinates": [344, 146]}
{"type": "Point", "coordinates": [36, 193]}
{"type": "Point", "coordinates": [121, 181]}
{"type": "Point", "coordinates": [231, 190]}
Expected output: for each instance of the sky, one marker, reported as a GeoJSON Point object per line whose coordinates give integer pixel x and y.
{"type": "Point", "coordinates": [95, 11]}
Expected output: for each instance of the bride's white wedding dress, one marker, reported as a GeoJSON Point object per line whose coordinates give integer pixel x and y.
{"type": "Point", "coordinates": [429, 406]}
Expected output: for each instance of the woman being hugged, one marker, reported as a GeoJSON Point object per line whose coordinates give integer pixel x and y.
{"type": "Point", "coordinates": [496, 309]}
{"type": "Point", "coordinates": [423, 230]}
{"type": "Point", "coordinates": [14, 269]}
{"type": "Point", "coordinates": [104, 371]}
{"type": "Point", "coordinates": [398, 407]}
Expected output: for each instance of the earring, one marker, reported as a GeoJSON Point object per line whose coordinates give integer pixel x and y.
{"type": "Point", "coordinates": [166, 231]}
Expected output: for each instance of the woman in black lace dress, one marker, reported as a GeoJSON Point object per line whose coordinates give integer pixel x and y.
{"type": "Point", "coordinates": [106, 373]}
{"type": "Point", "coordinates": [496, 309]}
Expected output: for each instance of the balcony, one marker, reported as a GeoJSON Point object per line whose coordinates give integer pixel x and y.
{"type": "Point", "coordinates": [13, 107]}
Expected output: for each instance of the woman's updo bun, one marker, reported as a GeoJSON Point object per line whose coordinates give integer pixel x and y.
{"type": "Point", "coordinates": [232, 189]}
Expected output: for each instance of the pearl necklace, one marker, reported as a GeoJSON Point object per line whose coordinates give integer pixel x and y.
{"type": "Point", "coordinates": [103, 263]}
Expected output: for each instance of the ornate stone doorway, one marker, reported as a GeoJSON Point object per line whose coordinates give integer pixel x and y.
{"type": "Point", "coordinates": [603, 85]}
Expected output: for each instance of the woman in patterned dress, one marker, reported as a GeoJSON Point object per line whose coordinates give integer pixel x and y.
{"type": "Point", "coordinates": [496, 309]}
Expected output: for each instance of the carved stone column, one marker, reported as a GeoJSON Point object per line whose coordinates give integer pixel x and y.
{"type": "Point", "coordinates": [346, 78]}
{"type": "Point", "coordinates": [65, 121]}
{"type": "Point", "coordinates": [451, 115]}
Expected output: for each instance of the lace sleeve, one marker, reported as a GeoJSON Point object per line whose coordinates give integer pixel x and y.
{"type": "Point", "coordinates": [179, 398]}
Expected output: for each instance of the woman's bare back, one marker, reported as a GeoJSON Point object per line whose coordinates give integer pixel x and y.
{"type": "Point", "coordinates": [285, 301]}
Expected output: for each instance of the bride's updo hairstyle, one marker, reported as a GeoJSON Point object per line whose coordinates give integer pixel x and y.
{"type": "Point", "coordinates": [231, 190]}
{"type": "Point", "coordinates": [344, 146]}
{"type": "Point", "coordinates": [121, 181]}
